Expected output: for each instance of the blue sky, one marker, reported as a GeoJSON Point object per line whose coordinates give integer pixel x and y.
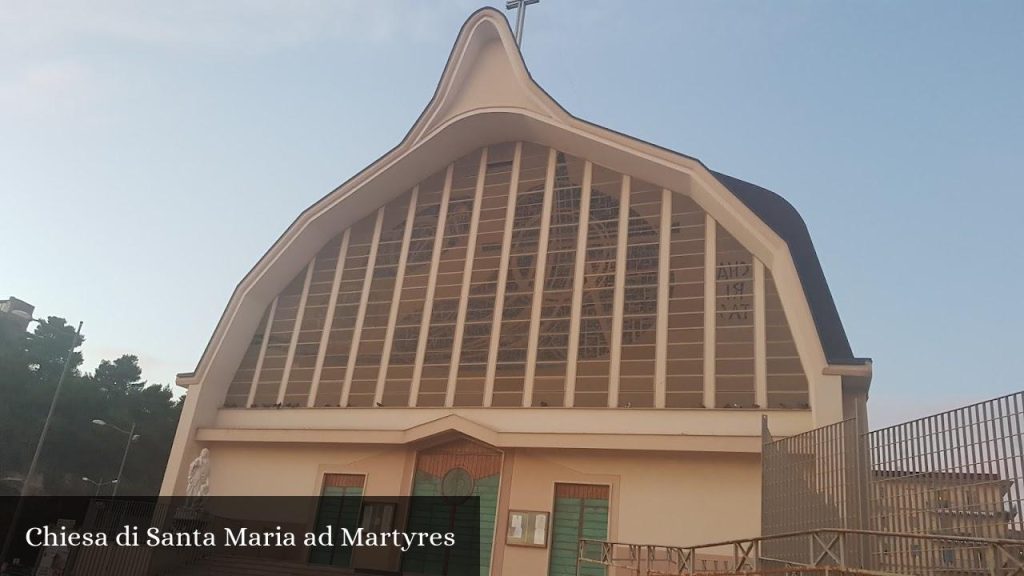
{"type": "Point", "coordinates": [150, 153]}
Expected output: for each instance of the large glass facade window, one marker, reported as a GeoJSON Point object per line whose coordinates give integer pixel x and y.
{"type": "Point", "coordinates": [483, 283]}
{"type": "Point", "coordinates": [787, 381]}
{"type": "Point", "coordinates": [734, 323]}
{"type": "Point", "coordinates": [593, 359]}
{"type": "Point", "coordinates": [559, 270]}
{"type": "Point", "coordinates": [684, 370]}
{"type": "Point", "coordinates": [448, 290]}
{"type": "Point", "coordinates": [401, 362]}
{"type": "Point", "coordinates": [238, 390]}
{"type": "Point", "coordinates": [378, 303]}
{"type": "Point", "coordinates": [346, 308]}
{"type": "Point", "coordinates": [314, 316]}
{"type": "Point", "coordinates": [522, 267]}
{"type": "Point", "coordinates": [426, 332]}
{"type": "Point", "coordinates": [640, 312]}
{"type": "Point", "coordinates": [279, 338]}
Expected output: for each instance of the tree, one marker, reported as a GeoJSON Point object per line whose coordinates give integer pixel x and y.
{"type": "Point", "coordinates": [30, 366]}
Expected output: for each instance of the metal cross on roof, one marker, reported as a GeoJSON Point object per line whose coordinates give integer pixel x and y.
{"type": "Point", "coordinates": [520, 6]}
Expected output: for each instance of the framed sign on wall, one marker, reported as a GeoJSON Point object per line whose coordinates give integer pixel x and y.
{"type": "Point", "coordinates": [527, 528]}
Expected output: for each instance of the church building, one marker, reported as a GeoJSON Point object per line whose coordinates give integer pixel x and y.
{"type": "Point", "coordinates": [579, 327]}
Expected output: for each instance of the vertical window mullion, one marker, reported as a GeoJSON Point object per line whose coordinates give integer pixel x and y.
{"type": "Point", "coordinates": [760, 338]}
{"type": "Point", "coordinates": [661, 326]}
{"type": "Point", "coordinates": [361, 314]}
{"type": "Point", "coordinates": [435, 258]}
{"type": "Point", "coordinates": [710, 305]}
{"type": "Point", "coordinates": [618, 303]}
{"type": "Point", "coordinates": [499, 296]}
{"type": "Point", "coordinates": [538, 279]}
{"type": "Point", "coordinates": [572, 353]}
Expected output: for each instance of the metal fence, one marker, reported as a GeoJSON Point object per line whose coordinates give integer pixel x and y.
{"type": "Point", "coordinates": [957, 474]}
{"type": "Point", "coordinates": [809, 481]}
{"type": "Point", "coordinates": [110, 516]}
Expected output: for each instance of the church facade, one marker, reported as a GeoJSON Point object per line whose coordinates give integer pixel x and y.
{"type": "Point", "coordinates": [581, 328]}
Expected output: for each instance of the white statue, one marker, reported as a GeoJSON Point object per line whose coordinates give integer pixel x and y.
{"type": "Point", "coordinates": [199, 477]}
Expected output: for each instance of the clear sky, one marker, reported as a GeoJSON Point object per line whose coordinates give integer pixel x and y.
{"type": "Point", "coordinates": [151, 152]}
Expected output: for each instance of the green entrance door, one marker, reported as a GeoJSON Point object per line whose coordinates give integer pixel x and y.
{"type": "Point", "coordinates": [448, 474]}
{"type": "Point", "coordinates": [339, 506]}
{"type": "Point", "coordinates": [581, 511]}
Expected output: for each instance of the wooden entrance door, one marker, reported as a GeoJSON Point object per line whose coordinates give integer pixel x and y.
{"type": "Point", "coordinates": [340, 500]}
{"type": "Point", "coordinates": [449, 473]}
{"type": "Point", "coordinates": [581, 511]}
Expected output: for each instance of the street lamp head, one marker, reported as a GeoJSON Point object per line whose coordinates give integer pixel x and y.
{"type": "Point", "coordinates": [99, 422]}
{"type": "Point", "coordinates": [113, 481]}
{"type": "Point", "coordinates": [86, 478]}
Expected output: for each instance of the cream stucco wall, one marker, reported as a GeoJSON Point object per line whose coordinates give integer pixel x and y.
{"type": "Point", "coordinates": [657, 497]}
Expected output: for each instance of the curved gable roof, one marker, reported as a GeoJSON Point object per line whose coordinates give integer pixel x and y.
{"type": "Point", "coordinates": [448, 105]}
{"type": "Point", "coordinates": [783, 218]}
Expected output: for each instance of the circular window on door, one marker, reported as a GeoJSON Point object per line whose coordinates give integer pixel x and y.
{"type": "Point", "coordinates": [457, 485]}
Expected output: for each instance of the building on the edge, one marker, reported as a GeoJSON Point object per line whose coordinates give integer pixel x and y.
{"type": "Point", "coordinates": [15, 316]}
{"type": "Point", "coordinates": [971, 504]}
{"type": "Point", "coordinates": [513, 301]}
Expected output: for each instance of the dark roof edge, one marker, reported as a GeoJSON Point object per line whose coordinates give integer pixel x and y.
{"type": "Point", "coordinates": [783, 218]}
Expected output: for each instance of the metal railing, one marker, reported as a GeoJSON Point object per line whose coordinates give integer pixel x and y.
{"type": "Point", "coordinates": [956, 472]}
{"type": "Point", "coordinates": [111, 516]}
{"type": "Point", "coordinates": [824, 550]}
{"type": "Point", "coordinates": [936, 495]}
{"type": "Point", "coordinates": [810, 481]}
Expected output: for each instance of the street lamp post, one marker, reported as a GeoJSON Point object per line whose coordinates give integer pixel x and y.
{"type": "Point", "coordinates": [99, 484]}
{"type": "Point", "coordinates": [132, 436]}
{"type": "Point", "coordinates": [27, 482]}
